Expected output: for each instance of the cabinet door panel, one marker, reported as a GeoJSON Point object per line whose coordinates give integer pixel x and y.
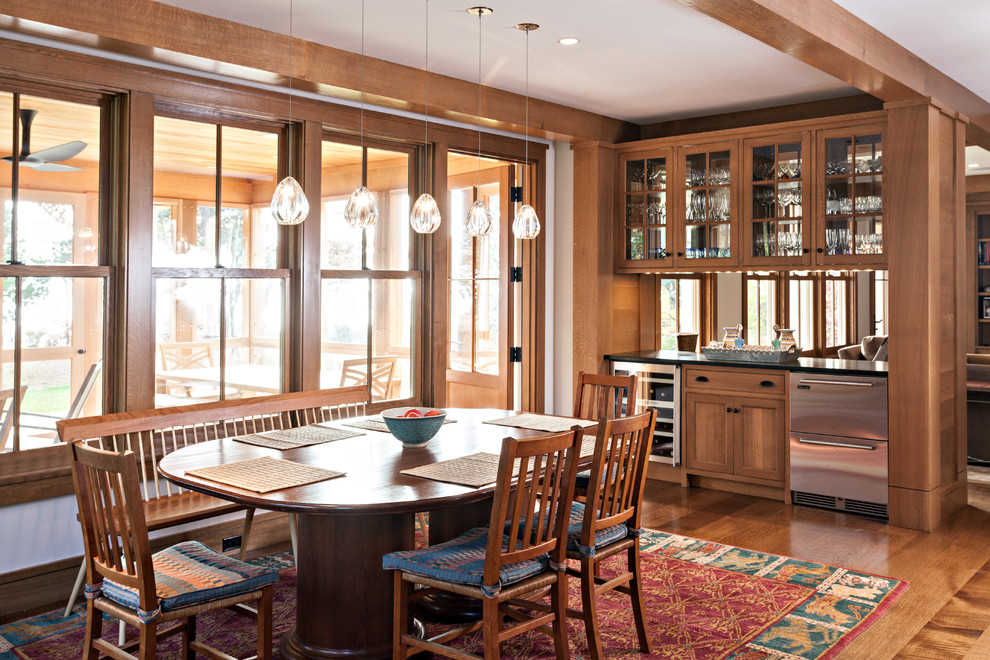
{"type": "Point", "coordinates": [707, 439]}
{"type": "Point", "coordinates": [758, 438]}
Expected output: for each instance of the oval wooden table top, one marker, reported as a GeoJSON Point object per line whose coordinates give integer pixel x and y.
{"type": "Point", "coordinates": [372, 463]}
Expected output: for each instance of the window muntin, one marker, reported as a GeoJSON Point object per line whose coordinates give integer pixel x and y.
{"type": "Point", "coordinates": [800, 309]}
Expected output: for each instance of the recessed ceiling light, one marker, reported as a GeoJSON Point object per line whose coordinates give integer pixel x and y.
{"type": "Point", "coordinates": [974, 164]}
{"type": "Point", "coordinates": [568, 41]}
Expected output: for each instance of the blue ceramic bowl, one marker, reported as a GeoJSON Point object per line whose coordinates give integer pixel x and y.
{"type": "Point", "coordinates": [413, 431]}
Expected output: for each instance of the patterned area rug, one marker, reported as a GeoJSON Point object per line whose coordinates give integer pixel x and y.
{"type": "Point", "coordinates": [706, 601]}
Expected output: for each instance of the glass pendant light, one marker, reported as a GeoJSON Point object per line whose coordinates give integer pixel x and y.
{"type": "Point", "coordinates": [361, 211]}
{"type": "Point", "coordinates": [526, 224]}
{"type": "Point", "coordinates": [479, 219]}
{"type": "Point", "coordinates": [425, 215]}
{"type": "Point", "coordinates": [289, 203]}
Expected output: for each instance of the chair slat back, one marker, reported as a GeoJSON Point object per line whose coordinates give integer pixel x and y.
{"type": "Point", "coordinates": [151, 434]}
{"type": "Point", "coordinates": [355, 372]}
{"type": "Point", "coordinates": [618, 473]}
{"type": "Point", "coordinates": [601, 395]}
{"type": "Point", "coordinates": [534, 515]}
{"type": "Point", "coordinates": [114, 531]}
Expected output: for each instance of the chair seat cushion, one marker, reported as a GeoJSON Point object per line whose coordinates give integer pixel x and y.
{"type": "Point", "coordinates": [189, 573]}
{"type": "Point", "coordinates": [462, 560]}
{"type": "Point", "coordinates": [602, 537]}
{"type": "Point", "coordinates": [582, 480]}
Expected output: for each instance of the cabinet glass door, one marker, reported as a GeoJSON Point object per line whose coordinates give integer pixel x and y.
{"type": "Point", "coordinates": [853, 204]}
{"type": "Point", "coordinates": [708, 206]}
{"type": "Point", "coordinates": [776, 220]}
{"type": "Point", "coordinates": [645, 235]}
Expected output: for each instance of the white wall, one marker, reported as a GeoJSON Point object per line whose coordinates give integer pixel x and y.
{"type": "Point", "coordinates": [729, 304]}
{"type": "Point", "coordinates": [560, 349]}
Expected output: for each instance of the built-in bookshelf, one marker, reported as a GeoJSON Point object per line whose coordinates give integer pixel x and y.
{"type": "Point", "coordinates": [983, 282]}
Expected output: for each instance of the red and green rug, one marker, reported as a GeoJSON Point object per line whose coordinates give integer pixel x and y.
{"type": "Point", "coordinates": [706, 601]}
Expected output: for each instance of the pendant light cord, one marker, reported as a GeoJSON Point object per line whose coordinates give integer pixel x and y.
{"type": "Point", "coordinates": [526, 161]}
{"type": "Point", "coordinates": [289, 163]}
{"type": "Point", "coordinates": [362, 79]}
{"type": "Point", "coordinates": [426, 98]}
{"type": "Point", "coordinates": [480, 14]}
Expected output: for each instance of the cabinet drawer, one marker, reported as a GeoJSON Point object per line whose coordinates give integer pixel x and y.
{"type": "Point", "coordinates": [764, 381]}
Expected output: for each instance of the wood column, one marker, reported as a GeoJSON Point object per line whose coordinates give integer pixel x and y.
{"type": "Point", "coordinates": [924, 196]}
{"type": "Point", "coordinates": [606, 305]}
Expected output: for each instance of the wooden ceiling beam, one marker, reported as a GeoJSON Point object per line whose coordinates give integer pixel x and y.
{"type": "Point", "coordinates": [170, 35]}
{"type": "Point", "coordinates": [824, 35]}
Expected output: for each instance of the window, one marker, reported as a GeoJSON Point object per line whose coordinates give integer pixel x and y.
{"type": "Point", "coordinates": [880, 300]}
{"type": "Point", "coordinates": [219, 297]}
{"type": "Point", "coordinates": [53, 297]}
{"type": "Point", "coordinates": [369, 292]}
{"type": "Point", "coordinates": [678, 308]}
{"type": "Point", "coordinates": [799, 309]}
{"type": "Point", "coordinates": [837, 315]}
{"type": "Point", "coordinates": [760, 307]}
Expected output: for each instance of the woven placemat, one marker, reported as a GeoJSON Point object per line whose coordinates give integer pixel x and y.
{"type": "Point", "coordinates": [478, 469]}
{"type": "Point", "coordinates": [536, 422]}
{"type": "Point", "coordinates": [265, 474]}
{"type": "Point", "coordinates": [379, 424]}
{"type": "Point", "coordinates": [298, 437]}
{"type": "Point", "coordinates": [473, 470]}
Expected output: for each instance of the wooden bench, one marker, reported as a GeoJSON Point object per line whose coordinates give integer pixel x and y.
{"type": "Point", "coordinates": [153, 433]}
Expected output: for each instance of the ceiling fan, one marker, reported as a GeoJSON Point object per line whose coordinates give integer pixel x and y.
{"type": "Point", "coordinates": [46, 160]}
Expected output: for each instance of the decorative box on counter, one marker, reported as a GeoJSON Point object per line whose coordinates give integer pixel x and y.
{"type": "Point", "coordinates": [751, 353]}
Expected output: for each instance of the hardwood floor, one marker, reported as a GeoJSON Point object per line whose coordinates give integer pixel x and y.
{"type": "Point", "coordinates": [944, 614]}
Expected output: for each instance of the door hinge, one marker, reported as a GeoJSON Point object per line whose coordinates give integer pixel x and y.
{"type": "Point", "coordinates": [515, 274]}
{"type": "Point", "coordinates": [515, 354]}
{"type": "Point", "coordinates": [515, 194]}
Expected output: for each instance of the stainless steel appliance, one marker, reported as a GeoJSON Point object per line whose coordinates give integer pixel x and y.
{"type": "Point", "coordinates": [657, 387]}
{"type": "Point", "coordinates": [838, 442]}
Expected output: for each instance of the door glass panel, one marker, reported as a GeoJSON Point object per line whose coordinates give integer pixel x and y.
{"type": "Point", "coordinates": [487, 327]}
{"type": "Point", "coordinates": [461, 326]}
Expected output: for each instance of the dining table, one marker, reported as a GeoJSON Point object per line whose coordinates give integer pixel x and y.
{"type": "Point", "coordinates": [347, 523]}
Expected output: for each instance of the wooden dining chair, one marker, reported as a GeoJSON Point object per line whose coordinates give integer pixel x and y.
{"type": "Point", "coordinates": [355, 372]}
{"type": "Point", "coordinates": [7, 413]}
{"type": "Point", "coordinates": [143, 590]}
{"type": "Point", "coordinates": [602, 395]}
{"type": "Point", "coordinates": [520, 552]}
{"type": "Point", "coordinates": [607, 523]}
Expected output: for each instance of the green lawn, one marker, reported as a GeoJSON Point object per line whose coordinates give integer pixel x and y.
{"type": "Point", "coordinates": [46, 399]}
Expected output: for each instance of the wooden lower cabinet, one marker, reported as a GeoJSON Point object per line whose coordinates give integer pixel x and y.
{"type": "Point", "coordinates": [734, 434]}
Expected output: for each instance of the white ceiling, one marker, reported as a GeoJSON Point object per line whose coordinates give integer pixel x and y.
{"type": "Point", "coordinates": [641, 61]}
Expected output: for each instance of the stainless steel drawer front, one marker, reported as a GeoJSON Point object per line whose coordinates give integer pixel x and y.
{"type": "Point", "coordinates": [850, 406]}
{"type": "Point", "coordinates": [851, 468]}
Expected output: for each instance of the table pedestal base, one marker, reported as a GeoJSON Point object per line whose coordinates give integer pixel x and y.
{"type": "Point", "coordinates": [343, 597]}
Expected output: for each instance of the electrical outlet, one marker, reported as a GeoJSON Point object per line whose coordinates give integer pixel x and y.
{"type": "Point", "coordinates": [231, 543]}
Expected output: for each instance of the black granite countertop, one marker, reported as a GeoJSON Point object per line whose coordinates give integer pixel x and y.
{"type": "Point", "coordinates": [812, 365]}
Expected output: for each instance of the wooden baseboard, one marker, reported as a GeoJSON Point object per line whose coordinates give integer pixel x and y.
{"type": "Point", "coordinates": [40, 588]}
{"type": "Point", "coordinates": [665, 472]}
{"type": "Point", "coordinates": [740, 487]}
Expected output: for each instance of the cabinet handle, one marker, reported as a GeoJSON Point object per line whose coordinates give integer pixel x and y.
{"type": "Point", "coordinates": [701, 379]}
{"type": "Point", "coordinates": [843, 445]}
{"type": "Point", "coordinates": [804, 251]}
{"type": "Point", "coordinates": [735, 410]}
{"type": "Point", "coordinates": [820, 250]}
{"type": "Point", "coordinates": [728, 410]}
{"type": "Point", "coordinates": [680, 254]}
{"type": "Point", "coordinates": [767, 383]}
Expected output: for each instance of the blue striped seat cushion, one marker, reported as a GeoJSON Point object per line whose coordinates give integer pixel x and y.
{"type": "Point", "coordinates": [602, 537]}
{"type": "Point", "coordinates": [189, 573]}
{"type": "Point", "coordinates": [462, 560]}
{"type": "Point", "coordinates": [582, 479]}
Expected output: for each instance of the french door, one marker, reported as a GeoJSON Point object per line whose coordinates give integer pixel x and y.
{"type": "Point", "coordinates": [481, 298]}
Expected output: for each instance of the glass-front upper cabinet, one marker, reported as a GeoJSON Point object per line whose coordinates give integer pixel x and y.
{"type": "Point", "coordinates": [776, 219]}
{"type": "Point", "coordinates": [851, 197]}
{"type": "Point", "coordinates": [646, 239]}
{"type": "Point", "coordinates": [709, 206]}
